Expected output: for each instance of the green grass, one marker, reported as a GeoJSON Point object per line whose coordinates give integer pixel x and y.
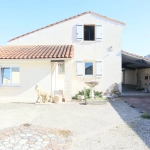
{"type": "Point", "coordinates": [100, 98]}
{"type": "Point", "coordinates": [145, 116]}
{"type": "Point", "coordinates": [132, 106]}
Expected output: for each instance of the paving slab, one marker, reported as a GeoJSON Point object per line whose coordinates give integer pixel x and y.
{"type": "Point", "coordinates": [140, 102]}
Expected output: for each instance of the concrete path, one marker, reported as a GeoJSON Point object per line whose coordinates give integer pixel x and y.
{"type": "Point", "coordinates": [130, 92]}
{"type": "Point", "coordinates": [100, 127]}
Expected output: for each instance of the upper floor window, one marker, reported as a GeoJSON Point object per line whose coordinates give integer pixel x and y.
{"type": "Point", "coordinates": [89, 33]}
{"type": "Point", "coordinates": [10, 75]}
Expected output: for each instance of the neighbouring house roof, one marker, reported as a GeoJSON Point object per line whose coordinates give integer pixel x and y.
{"type": "Point", "coordinates": [88, 12]}
{"type": "Point", "coordinates": [36, 51]}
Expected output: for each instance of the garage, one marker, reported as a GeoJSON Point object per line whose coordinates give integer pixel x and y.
{"type": "Point", "coordinates": [135, 74]}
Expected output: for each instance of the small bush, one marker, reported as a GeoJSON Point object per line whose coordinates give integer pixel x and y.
{"type": "Point", "coordinates": [145, 116]}
{"type": "Point", "coordinates": [74, 97]}
{"type": "Point", "coordinates": [101, 98]}
{"type": "Point", "coordinates": [86, 93]}
{"type": "Point", "coordinates": [132, 106]}
{"type": "Point", "coordinates": [97, 94]}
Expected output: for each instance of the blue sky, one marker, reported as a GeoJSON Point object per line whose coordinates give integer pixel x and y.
{"type": "Point", "coordinates": [19, 17]}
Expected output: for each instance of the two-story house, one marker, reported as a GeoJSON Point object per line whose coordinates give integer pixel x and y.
{"type": "Point", "coordinates": [62, 56]}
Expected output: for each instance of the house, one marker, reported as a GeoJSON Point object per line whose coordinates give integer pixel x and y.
{"type": "Point", "coordinates": [62, 56]}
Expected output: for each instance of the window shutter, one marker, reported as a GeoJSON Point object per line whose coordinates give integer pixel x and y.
{"type": "Point", "coordinates": [79, 68]}
{"type": "Point", "coordinates": [79, 32]}
{"type": "Point", "coordinates": [98, 32]}
{"type": "Point", "coordinates": [99, 68]}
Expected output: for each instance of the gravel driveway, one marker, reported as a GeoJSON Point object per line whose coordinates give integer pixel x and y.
{"type": "Point", "coordinates": [112, 126]}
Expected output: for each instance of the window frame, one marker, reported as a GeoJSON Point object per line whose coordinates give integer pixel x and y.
{"type": "Point", "coordinates": [59, 73]}
{"type": "Point", "coordinates": [88, 61]}
{"type": "Point", "coordinates": [1, 78]}
{"type": "Point", "coordinates": [94, 32]}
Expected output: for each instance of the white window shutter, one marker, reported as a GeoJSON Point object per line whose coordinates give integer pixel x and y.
{"type": "Point", "coordinates": [99, 68]}
{"type": "Point", "coordinates": [79, 68]}
{"type": "Point", "coordinates": [79, 32]}
{"type": "Point", "coordinates": [98, 32]}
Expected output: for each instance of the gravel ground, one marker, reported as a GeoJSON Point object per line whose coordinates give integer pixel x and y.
{"type": "Point", "coordinates": [113, 126]}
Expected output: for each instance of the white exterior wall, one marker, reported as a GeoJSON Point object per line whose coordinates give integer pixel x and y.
{"type": "Point", "coordinates": [31, 73]}
{"type": "Point", "coordinates": [65, 33]}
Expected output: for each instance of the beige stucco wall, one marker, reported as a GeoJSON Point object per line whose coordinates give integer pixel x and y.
{"type": "Point", "coordinates": [130, 77]}
{"type": "Point", "coordinates": [65, 33]}
{"type": "Point", "coordinates": [142, 74]}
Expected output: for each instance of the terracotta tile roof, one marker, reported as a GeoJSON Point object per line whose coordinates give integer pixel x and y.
{"type": "Point", "coordinates": [67, 20]}
{"type": "Point", "coordinates": [36, 51]}
{"type": "Point", "coordinates": [135, 55]}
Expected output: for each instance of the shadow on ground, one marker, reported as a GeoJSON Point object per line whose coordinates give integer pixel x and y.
{"type": "Point", "coordinates": [139, 125]}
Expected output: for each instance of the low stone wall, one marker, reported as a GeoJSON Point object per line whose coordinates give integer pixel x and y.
{"type": "Point", "coordinates": [95, 102]}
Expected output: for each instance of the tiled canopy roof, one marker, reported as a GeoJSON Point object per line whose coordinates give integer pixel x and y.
{"type": "Point", "coordinates": [88, 12]}
{"type": "Point", "coordinates": [135, 55]}
{"type": "Point", "coordinates": [36, 51]}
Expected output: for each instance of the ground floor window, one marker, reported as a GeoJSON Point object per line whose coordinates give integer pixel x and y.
{"type": "Point", "coordinates": [10, 75]}
{"type": "Point", "coordinates": [88, 68]}
{"type": "Point", "coordinates": [61, 67]}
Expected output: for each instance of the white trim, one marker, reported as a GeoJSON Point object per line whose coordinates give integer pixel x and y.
{"type": "Point", "coordinates": [88, 61]}
{"type": "Point", "coordinates": [79, 32]}
{"type": "Point", "coordinates": [101, 68]}
{"type": "Point", "coordinates": [9, 84]}
{"type": "Point", "coordinates": [79, 68]}
{"type": "Point", "coordinates": [98, 31]}
{"type": "Point", "coordinates": [18, 60]}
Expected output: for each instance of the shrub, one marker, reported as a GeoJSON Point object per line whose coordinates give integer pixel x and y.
{"type": "Point", "coordinates": [97, 94]}
{"type": "Point", "coordinates": [86, 93]}
{"type": "Point", "coordinates": [145, 116]}
{"type": "Point", "coordinates": [132, 106]}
